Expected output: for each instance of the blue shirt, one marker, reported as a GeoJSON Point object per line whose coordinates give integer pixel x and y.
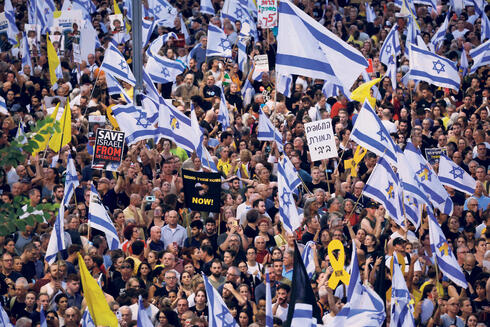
{"type": "Point", "coordinates": [178, 235]}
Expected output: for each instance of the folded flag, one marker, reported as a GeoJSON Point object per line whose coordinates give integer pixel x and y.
{"type": "Point", "coordinates": [401, 306]}
{"type": "Point", "coordinates": [115, 64]}
{"type": "Point", "coordinates": [267, 132]}
{"type": "Point", "coordinates": [287, 207]}
{"type": "Point", "coordinates": [452, 175]}
{"type": "Point", "coordinates": [223, 114]}
{"type": "Point", "coordinates": [440, 34]}
{"type": "Point", "coordinates": [135, 122]}
{"type": "Point", "coordinates": [391, 47]}
{"type": "Point", "coordinates": [480, 56]}
{"type": "Point", "coordinates": [207, 7]}
{"type": "Point", "coordinates": [99, 219]}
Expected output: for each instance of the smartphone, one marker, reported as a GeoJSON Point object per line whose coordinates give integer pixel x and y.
{"type": "Point", "coordinates": [174, 172]}
{"type": "Point", "coordinates": [235, 223]}
{"type": "Point", "coordinates": [150, 198]}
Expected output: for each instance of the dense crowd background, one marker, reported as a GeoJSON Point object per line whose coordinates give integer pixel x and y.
{"type": "Point", "coordinates": [165, 246]}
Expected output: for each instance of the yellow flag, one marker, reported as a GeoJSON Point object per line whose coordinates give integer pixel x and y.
{"type": "Point", "coordinates": [117, 11]}
{"type": "Point", "coordinates": [364, 92]}
{"type": "Point", "coordinates": [96, 302]}
{"type": "Point", "coordinates": [56, 142]}
{"type": "Point", "coordinates": [353, 163]}
{"type": "Point", "coordinates": [53, 62]}
{"type": "Point", "coordinates": [110, 116]}
{"type": "Point", "coordinates": [43, 143]}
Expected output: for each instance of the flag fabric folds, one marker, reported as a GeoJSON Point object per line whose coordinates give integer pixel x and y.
{"type": "Point", "coordinates": [452, 175]}
{"type": "Point", "coordinates": [218, 313]}
{"type": "Point", "coordinates": [391, 47]}
{"type": "Point", "coordinates": [268, 302]}
{"type": "Point", "coordinates": [384, 186]}
{"type": "Point", "coordinates": [446, 260]}
{"type": "Point", "coordinates": [267, 132]}
{"type": "Point", "coordinates": [401, 307]}
{"type": "Point", "coordinates": [54, 64]}
{"type": "Point", "coordinates": [201, 151]}
{"type": "Point", "coordinates": [223, 114]}
{"type": "Point", "coordinates": [207, 7]}
{"type": "Point", "coordinates": [485, 27]}
{"type": "Point", "coordinates": [363, 92]}
{"type": "Point", "coordinates": [135, 122]}
{"type": "Point", "coordinates": [432, 68]}
{"type": "Point", "coordinates": [302, 307]}
{"type": "Point", "coordinates": [370, 13]}
{"type": "Point", "coordinates": [97, 305]}
{"type": "Point", "coordinates": [218, 43]}
{"type": "Point", "coordinates": [115, 64]}
{"type": "Point", "coordinates": [162, 69]}
{"type": "Point", "coordinates": [305, 47]}
{"type": "Point", "coordinates": [26, 54]}
{"type": "Point", "coordinates": [463, 65]}
{"type": "Point", "coordinates": [42, 317]}
{"type": "Point", "coordinates": [114, 88]}
{"type": "Point", "coordinates": [87, 320]}
{"type": "Point", "coordinates": [287, 207]}
{"type": "Point", "coordinates": [71, 179]}
{"type": "Point", "coordinates": [99, 219]}
{"type": "Point", "coordinates": [41, 145]}
{"type": "Point", "coordinates": [308, 259]}
{"type": "Point", "coordinates": [428, 179]}
{"type": "Point", "coordinates": [143, 319]}
{"type": "Point", "coordinates": [12, 29]}
{"type": "Point", "coordinates": [370, 133]}
{"type": "Point", "coordinates": [57, 239]}
{"type": "Point", "coordinates": [480, 56]}
{"type": "Point", "coordinates": [5, 321]}
{"type": "Point", "coordinates": [440, 34]}
{"type": "Point", "coordinates": [62, 138]}
{"type": "Point", "coordinates": [284, 83]}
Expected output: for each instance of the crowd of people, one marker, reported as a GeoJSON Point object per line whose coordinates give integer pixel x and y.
{"type": "Point", "coordinates": [166, 246]}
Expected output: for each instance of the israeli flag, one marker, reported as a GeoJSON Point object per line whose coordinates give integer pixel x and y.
{"type": "Point", "coordinates": [163, 11]}
{"type": "Point", "coordinates": [391, 72]}
{"type": "Point", "coordinates": [223, 114]}
{"type": "Point", "coordinates": [201, 151]}
{"type": "Point", "coordinates": [446, 260]}
{"type": "Point", "coordinates": [452, 175]}
{"type": "Point", "coordinates": [287, 207]}
{"type": "Point", "coordinates": [242, 53]}
{"type": "Point", "coordinates": [429, 3]}
{"type": "Point", "coordinates": [247, 91]}
{"type": "Point", "coordinates": [135, 122]}
{"type": "Point", "coordinates": [143, 319]}
{"type": "Point", "coordinates": [485, 27]}
{"type": "Point", "coordinates": [207, 7]}
{"type": "Point", "coordinates": [268, 302]}
{"type": "Point", "coordinates": [305, 47]}
{"type": "Point", "coordinates": [364, 307]}
{"type": "Point", "coordinates": [428, 179]}
{"type": "Point", "coordinates": [164, 70]}
{"type": "Point", "coordinates": [464, 63]}
{"type": "Point", "coordinates": [114, 88]}
{"type": "Point", "coordinates": [115, 64]}
{"type": "Point", "coordinates": [150, 89]}
{"type": "Point", "coordinates": [147, 30]}
{"type": "Point", "coordinates": [233, 11]}
{"type": "Point", "coordinates": [384, 186]}
{"type": "Point", "coordinates": [413, 31]}
{"type": "Point", "coordinates": [370, 133]}
{"type": "Point", "coordinates": [87, 320]}
{"type": "Point", "coordinates": [42, 317]}
{"type": "Point", "coordinates": [26, 54]}
{"type": "Point", "coordinates": [12, 29]}
{"type": "Point", "coordinates": [267, 132]}
{"type": "Point", "coordinates": [401, 306]}
{"type": "Point", "coordinates": [218, 43]}
{"type": "Point", "coordinates": [218, 313]}
{"type": "Point", "coordinates": [71, 179]}
{"type": "Point", "coordinates": [57, 240]}
{"type": "Point", "coordinates": [86, 6]}
{"type": "Point", "coordinates": [480, 56]}
{"type": "Point", "coordinates": [3, 106]}
{"type": "Point", "coordinates": [308, 259]}
{"type": "Point", "coordinates": [99, 219]}
{"type": "Point", "coordinates": [434, 69]}
{"type": "Point", "coordinates": [284, 83]}
{"type": "Point", "coordinates": [303, 315]}
{"type": "Point", "coordinates": [370, 13]}
{"type": "Point", "coordinates": [333, 88]}
{"type": "Point", "coordinates": [20, 132]}
{"type": "Point", "coordinates": [391, 47]}
{"type": "Point", "coordinates": [440, 34]}
{"type": "Point", "coordinates": [5, 321]}
{"type": "Point", "coordinates": [159, 42]}
{"type": "Point", "coordinates": [478, 4]}
{"type": "Point", "coordinates": [292, 177]}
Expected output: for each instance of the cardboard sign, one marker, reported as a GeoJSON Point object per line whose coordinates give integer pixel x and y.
{"type": "Point", "coordinates": [261, 63]}
{"type": "Point", "coordinates": [267, 13]}
{"type": "Point", "coordinates": [321, 141]}
{"type": "Point", "coordinates": [66, 19]}
{"type": "Point", "coordinates": [108, 149]}
{"type": "Point", "coordinates": [433, 154]}
{"type": "Point", "coordinates": [202, 190]}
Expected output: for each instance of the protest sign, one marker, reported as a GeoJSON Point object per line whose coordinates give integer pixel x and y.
{"type": "Point", "coordinates": [108, 149]}
{"type": "Point", "coordinates": [261, 63]}
{"type": "Point", "coordinates": [433, 154]}
{"type": "Point", "coordinates": [202, 190]}
{"type": "Point", "coordinates": [267, 13]}
{"type": "Point", "coordinates": [321, 141]}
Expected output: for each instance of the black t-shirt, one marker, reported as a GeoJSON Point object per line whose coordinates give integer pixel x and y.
{"type": "Point", "coordinates": [250, 232]}
{"type": "Point", "coordinates": [109, 200]}
{"type": "Point", "coordinates": [321, 185]}
{"type": "Point", "coordinates": [28, 270]}
{"type": "Point", "coordinates": [307, 236]}
{"type": "Point", "coordinates": [199, 313]}
{"type": "Point", "coordinates": [210, 92]}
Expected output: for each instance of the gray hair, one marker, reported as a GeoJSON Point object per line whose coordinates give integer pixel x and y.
{"type": "Point", "coordinates": [23, 322]}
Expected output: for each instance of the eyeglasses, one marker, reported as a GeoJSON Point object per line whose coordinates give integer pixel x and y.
{"type": "Point", "coordinates": [125, 267]}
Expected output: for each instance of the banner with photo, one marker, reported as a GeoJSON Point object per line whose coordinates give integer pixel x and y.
{"type": "Point", "coordinates": [202, 190]}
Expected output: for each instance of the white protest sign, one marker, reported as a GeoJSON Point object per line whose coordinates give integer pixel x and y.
{"type": "Point", "coordinates": [267, 13]}
{"type": "Point", "coordinates": [77, 54]}
{"type": "Point", "coordinates": [321, 141]}
{"type": "Point", "coordinates": [261, 63]}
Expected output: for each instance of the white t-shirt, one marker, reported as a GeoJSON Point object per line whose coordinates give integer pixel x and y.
{"type": "Point", "coordinates": [282, 313]}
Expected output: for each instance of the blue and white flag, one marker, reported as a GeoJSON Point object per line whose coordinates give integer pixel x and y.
{"type": "Point", "coordinates": [428, 179]}
{"type": "Point", "coordinates": [57, 240]}
{"type": "Point", "coordinates": [292, 177]}
{"type": "Point", "coordinates": [147, 30]}
{"type": "Point", "coordinates": [223, 114]}
{"type": "Point", "coordinates": [163, 11]}
{"type": "Point", "coordinates": [440, 34]}
{"type": "Point", "coordinates": [26, 54]}
{"type": "Point", "coordinates": [150, 88]}
{"type": "Point", "coordinates": [218, 313]}
{"type": "Point", "coordinates": [268, 302]}
{"type": "Point", "coordinates": [218, 43]}
{"type": "Point", "coordinates": [430, 3]}
{"type": "Point", "coordinates": [143, 320]}
{"type": "Point", "coordinates": [370, 133]}
{"type": "Point", "coordinates": [87, 320]}
{"type": "Point", "coordinates": [384, 186]}
{"type": "Point", "coordinates": [207, 7]}
{"type": "Point", "coordinates": [480, 56]}
{"type": "Point", "coordinates": [71, 179]}
{"type": "Point", "coordinates": [463, 65]}
{"type": "Point", "coordinates": [162, 69]}
{"type": "Point", "coordinates": [434, 69]}
{"type": "Point", "coordinates": [201, 151]}
{"type": "Point", "coordinates": [86, 6]}
{"type": "Point", "coordinates": [136, 123]}
{"type": "Point", "coordinates": [99, 219]}
{"type": "Point", "coordinates": [364, 307]}
{"type": "Point", "coordinates": [242, 53]}
{"type": "Point", "coordinates": [3, 107]}
{"type": "Point", "coordinates": [452, 175]}
{"type": "Point", "coordinates": [485, 28]}
{"type": "Point", "coordinates": [391, 47]}
{"type": "Point", "coordinates": [42, 317]}
{"type": "Point", "coordinates": [303, 315]}
{"type": "Point", "coordinates": [233, 11]}
{"type": "Point", "coordinates": [287, 207]}
{"type": "Point", "coordinates": [305, 47]}
{"type": "Point", "coordinates": [284, 83]}
{"type": "Point", "coordinates": [401, 306]}
{"type": "Point", "coordinates": [5, 321]}
{"type": "Point", "coordinates": [114, 88]}
{"type": "Point", "coordinates": [267, 132]}
{"type": "Point", "coordinates": [446, 260]}
{"type": "Point", "coordinates": [370, 13]}
{"type": "Point", "coordinates": [478, 4]}
{"type": "Point", "coordinates": [115, 64]}
{"type": "Point", "coordinates": [413, 31]}
{"type": "Point", "coordinates": [12, 29]}
{"type": "Point", "coordinates": [159, 42]}
{"type": "Point", "coordinates": [184, 30]}
{"type": "Point", "coordinates": [333, 88]}
{"type": "Point", "coordinates": [308, 258]}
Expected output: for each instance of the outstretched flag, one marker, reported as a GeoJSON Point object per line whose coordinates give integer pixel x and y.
{"type": "Point", "coordinates": [454, 176]}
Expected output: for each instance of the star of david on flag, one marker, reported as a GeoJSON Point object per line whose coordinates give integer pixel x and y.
{"type": "Point", "coordinates": [218, 43]}
{"type": "Point", "coordinates": [452, 175]}
{"type": "Point", "coordinates": [218, 313]}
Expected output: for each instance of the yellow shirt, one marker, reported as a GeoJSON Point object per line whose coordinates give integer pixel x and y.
{"type": "Point", "coordinates": [224, 166]}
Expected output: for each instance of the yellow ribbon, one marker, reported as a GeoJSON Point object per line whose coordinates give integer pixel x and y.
{"type": "Point", "coordinates": [339, 273]}
{"type": "Point", "coordinates": [353, 163]}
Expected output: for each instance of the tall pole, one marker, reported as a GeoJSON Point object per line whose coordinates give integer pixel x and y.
{"type": "Point", "coordinates": [136, 27]}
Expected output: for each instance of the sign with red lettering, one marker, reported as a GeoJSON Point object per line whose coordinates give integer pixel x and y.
{"type": "Point", "coordinates": [267, 13]}
{"type": "Point", "coordinates": [108, 149]}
